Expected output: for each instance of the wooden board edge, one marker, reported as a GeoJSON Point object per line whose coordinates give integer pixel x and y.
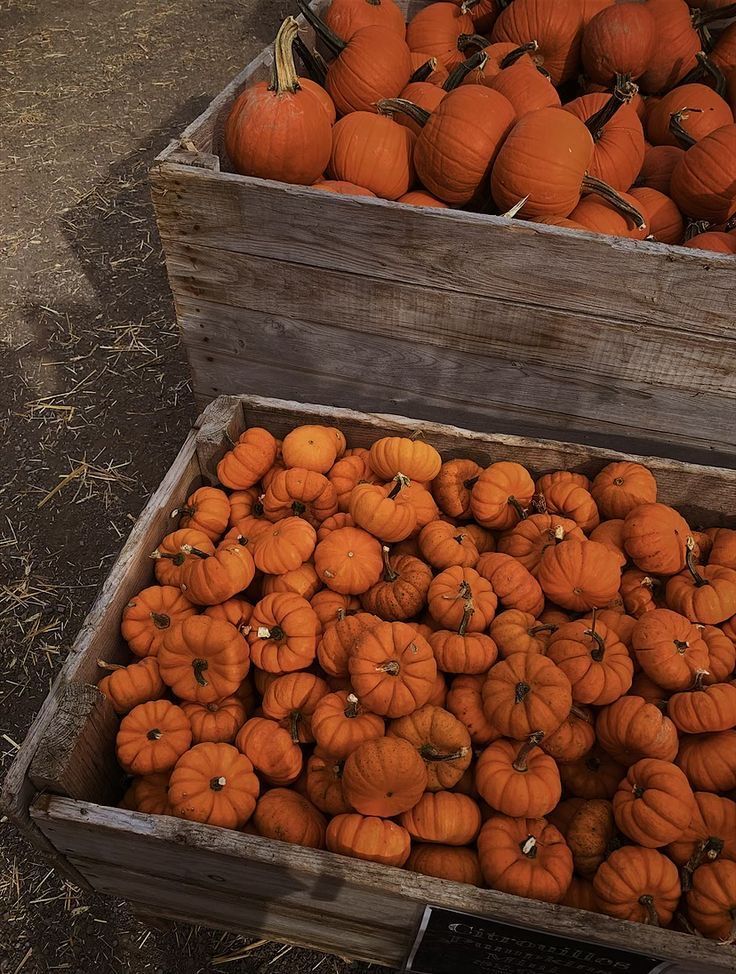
{"type": "Point", "coordinates": [328, 867]}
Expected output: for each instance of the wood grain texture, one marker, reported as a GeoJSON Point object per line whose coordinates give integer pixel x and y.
{"type": "Point", "coordinates": [219, 427]}
{"type": "Point", "coordinates": [345, 367]}
{"type": "Point", "coordinates": [74, 756]}
{"type": "Point", "coordinates": [356, 908]}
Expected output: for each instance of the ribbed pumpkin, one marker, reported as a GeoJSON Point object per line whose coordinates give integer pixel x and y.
{"type": "Point", "coordinates": [655, 537]}
{"type": "Point", "coordinates": [526, 88]}
{"type": "Point", "coordinates": [341, 188]}
{"type": "Point", "coordinates": [579, 575]}
{"type": "Point", "coordinates": [368, 837]}
{"type": "Point", "coordinates": [280, 130]}
{"type": "Point", "coordinates": [518, 779]}
{"type": "Point", "coordinates": [373, 151]}
{"type": "Point", "coordinates": [465, 701]}
{"type": "Point", "coordinates": [344, 17]}
{"type": "Point", "coordinates": [669, 648]}
{"type": "Point", "coordinates": [458, 865]}
{"type": "Point", "coordinates": [525, 857]}
{"type": "Point", "coordinates": [658, 166]}
{"type": "Point", "coordinates": [594, 660]}
{"type": "Point", "coordinates": [675, 47]}
{"type": "Point", "coordinates": [654, 803]}
{"type": "Point", "coordinates": [711, 903]}
{"type": "Point", "coordinates": [664, 220]}
{"type": "Point", "coordinates": [384, 777]}
{"type": "Point", "coordinates": [435, 31]}
{"type": "Point", "coordinates": [530, 538]}
{"type": "Point", "coordinates": [556, 27]}
{"type": "Point", "coordinates": [638, 884]}
{"type": "Point", "coordinates": [617, 133]}
{"type": "Point", "coordinates": [695, 110]}
{"type": "Point", "coordinates": [703, 179]}
{"type": "Point", "coordinates": [620, 39]}
{"type": "Point", "coordinates": [374, 63]}
{"type": "Point", "coordinates": [392, 669]}
{"type": "Point", "coordinates": [631, 729]}
{"type": "Point", "coordinates": [610, 218]}
{"type": "Point", "coordinates": [709, 760]}
{"type": "Point", "coordinates": [715, 242]}
{"type": "Point", "coordinates": [545, 158]}
{"type": "Point", "coordinates": [443, 816]}
{"type": "Point", "coordinates": [526, 694]}
{"type": "Point", "coordinates": [711, 835]}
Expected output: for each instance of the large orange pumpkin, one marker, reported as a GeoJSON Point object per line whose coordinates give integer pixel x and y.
{"type": "Point", "coordinates": [374, 151]}
{"type": "Point", "coordinates": [579, 575]}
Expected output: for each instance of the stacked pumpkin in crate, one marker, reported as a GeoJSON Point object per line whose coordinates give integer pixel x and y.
{"type": "Point", "coordinates": [611, 118]}
{"type": "Point", "coordinates": [461, 671]}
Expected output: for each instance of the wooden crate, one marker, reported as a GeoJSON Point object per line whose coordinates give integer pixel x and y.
{"type": "Point", "coordinates": [65, 778]}
{"type": "Point", "coordinates": [442, 314]}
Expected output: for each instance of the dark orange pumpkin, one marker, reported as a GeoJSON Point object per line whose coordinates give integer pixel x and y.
{"type": "Point", "coordinates": [654, 803]}
{"type": "Point", "coordinates": [638, 884]}
{"type": "Point", "coordinates": [669, 648]}
{"type": "Point", "coordinates": [465, 701]}
{"type": "Point", "coordinates": [631, 729]}
{"type": "Point", "coordinates": [344, 17]}
{"type": "Point", "coordinates": [384, 777]}
{"type": "Point", "coordinates": [392, 669]}
{"type": "Point", "coordinates": [594, 660]}
{"type": "Point", "coordinates": [557, 29]}
{"type": "Point", "coordinates": [617, 133]}
{"type": "Point", "coordinates": [703, 179]}
{"type": "Point", "coordinates": [369, 837]}
{"type": "Point", "coordinates": [374, 151]}
{"type": "Point", "coordinates": [580, 575]}
{"type": "Point", "coordinates": [656, 538]}
{"type": "Point", "coordinates": [664, 220]}
{"type": "Point", "coordinates": [686, 115]}
{"type": "Point", "coordinates": [711, 903]}
{"type": "Point", "coordinates": [441, 740]}
{"type": "Point", "coordinates": [525, 857]}
{"type": "Point", "coordinates": [526, 694]}
{"type": "Point", "coordinates": [676, 44]}
{"type": "Point", "coordinates": [518, 779]}
{"type": "Point", "coordinates": [619, 39]}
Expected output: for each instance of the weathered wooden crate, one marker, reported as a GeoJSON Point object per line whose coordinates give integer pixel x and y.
{"type": "Point", "coordinates": [64, 779]}
{"type": "Point", "coordinates": [442, 314]}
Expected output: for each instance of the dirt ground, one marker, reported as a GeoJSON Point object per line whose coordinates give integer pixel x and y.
{"type": "Point", "coordinates": [94, 393]}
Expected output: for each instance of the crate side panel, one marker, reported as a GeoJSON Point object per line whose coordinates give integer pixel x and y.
{"type": "Point", "coordinates": [512, 262]}
{"type": "Point", "coordinates": [230, 349]}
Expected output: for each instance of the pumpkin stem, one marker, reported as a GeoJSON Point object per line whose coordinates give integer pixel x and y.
{"type": "Point", "coordinates": [270, 632]}
{"type": "Point", "coordinates": [702, 17]}
{"type": "Point", "coordinates": [458, 74]}
{"type": "Point", "coordinates": [424, 70]}
{"type": "Point", "coordinates": [465, 41]}
{"type": "Point", "coordinates": [468, 610]}
{"type": "Point", "coordinates": [387, 106]}
{"type": "Point", "coordinates": [523, 515]}
{"type": "Point", "coordinates": [731, 938]}
{"type": "Point", "coordinates": [189, 550]}
{"type": "Point", "coordinates": [389, 575]}
{"type": "Point", "coordinates": [341, 614]}
{"type": "Point", "coordinates": [199, 666]}
{"type": "Point", "coordinates": [548, 627]}
{"type": "Point", "coordinates": [513, 56]}
{"type": "Point", "coordinates": [599, 650]}
{"type": "Point", "coordinates": [218, 783]}
{"type": "Point", "coordinates": [283, 73]}
{"type": "Point", "coordinates": [294, 718]}
{"type": "Point", "coordinates": [154, 734]}
{"type": "Point", "coordinates": [298, 507]}
{"type": "Point", "coordinates": [595, 185]}
{"type": "Point", "coordinates": [647, 901]}
{"type": "Point", "coordinates": [212, 707]}
{"type": "Point", "coordinates": [711, 68]}
{"type": "Point", "coordinates": [433, 755]}
{"type": "Point", "coordinates": [678, 131]}
{"type": "Point", "coordinates": [529, 847]}
{"type": "Point", "coordinates": [110, 667]}
{"type": "Point", "coordinates": [581, 714]}
{"type": "Point", "coordinates": [521, 691]}
{"type": "Point", "coordinates": [592, 763]}
{"type": "Point", "coordinates": [681, 646]}
{"type": "Point", "coordinates": [539, 504]}
{"type": "Point", "coordinates": [335, 44]}
{"type": "Point", "coordinates": [623, 92]}
{"type": "Point", "coordinates": [692, 565]}
{"type": "Point", "coordinates": [160, 620]}
{"type": "Point", "coordinates": [183, 512]}
{"type": "Point", "coordinates": [390, 667]}
{"type": "Point", "coordinates": [313, 63]}
{"type": "Point", "coordinates": [353, 707]}
{"type": "Point", "coordinates": [519, 762]}
{"type": "Point", "coordinates": [470, 482]}
{"type": "Point", "coordinates": [700, 675]}
{"type": "Point", "coordinates": [695, 227]}
{"type": "Point", "coordinates": [707, 849]}
{"type": "Point", "coordinates": [401, 479]}
{"type": "Point", "coordinates": [638, 791]}
{"type": "Point", "coordinates": [730, 224]}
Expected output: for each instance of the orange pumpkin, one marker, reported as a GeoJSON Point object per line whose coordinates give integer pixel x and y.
{"type": "Point", "coordinates": [251, 457]}
{"type": "Point", "coordinates": [149, 794]}
{"type": "Point", "coordinates": [461, 652]}
{"type": "Point", "coordinates": [128, 686]}
{"type": "Point", "coordinates": [526, 694]}
{"type": "Point", "coordinates": [710, 835]}
{"type": "Point", "coordinates": [301, 493]}
{"type": "Point", "coordinates": [621, 486]}
{"type": "Point", "coordinates": [414, 458]}
{"type": "Point", "coordinates": [211, 579]}
{"type": "Point", "coordinates": [709, 760]}
{"type": "Point", "coordinates": [206, 510]}
{"type": "Point", "coordinates": [291, 700]}
{"type": "Point", "coordinates": [669, 648]}
{"type": "Point", "coordinates": [236, 611]}
{"type": "Point", "coordinates": [244, 503]}
{"type": "Point", "coordinates": [703, 710]}
{"type": "Point", "coordinates": [384, 777]}
{"type": "Point", "coordinates": [711, 903]}
{"type": "Point", "coordinates": [573, 739]}
{"type": "Point", "coordinates": [702, 594]}
{"type": "Point", "coordinates": [637, 884]}
{"type": "Point", "coordinates": [444, 545]}
{"type": "Point", "coordinates": [152, 738]}
{"type": "Point", "coordinates": [344, 17]}
{"type": "Point", "coordinates": [284, 633]}
{"type": "Point", "coordinates": [501, 494]}
{"type": "Point", "coordinates": [302, 581]}
{"type": "Point", "coordinates": [579, 575]}
{"type": "Point", "coordinates": [654, 803]}
{"type": "Point", "coordinates": [333, 650]}
{"type": "Point", "coordinates": [459, 598]}
{"type": "Point", "coordinates": [392, 669]}
{"type": "Point", "coordinates": [383, 512]}
{"type": "Point", "coordinates": [369, 837]}
{"type": "Point", "coordinates": [631, 729]}
{"type": "Point", "coordinates": [310, 446]}
{"type": "Point", "coordinates": [573, 502]}
{"type": "Point", "coordinates": [284, 547]}
{"type": "Point", "coordinates": [402, 590]}
{"type": "Point", "coordinates": [638, 592]}
{"type": "Point", "coordinates": [374, 151]}
{"type": "Point", "coordinates": [340, 724]}
{"type": "Point", "coordinates": [721, 652]}
{"type": "Point", "coordinates": [349, 561]}
{"type": "Point", "coordinates": [289, 817]}
{"type": "Point", "coordinates": [204, 659]}
{"type": "Point", "coordinates": [610, 534]}
{"type": "Point", "coordinates": [557, 28]}
{"type": "Point", "coordinates": [215, 723]}
{"type": "Point", "coordinates": [452, 487]}
{"type": "Point", "coordinates": [443, 817]}
{"type": "Point", "coordinates": [271, 750]}
{"type": "Point", "coordinates": [152, 613]}
{"type": "Point", "coordinates": [324, 784]}
{"type": "Point", "coordinates": [655, 537]}
{"type": "Point", "coordinates": [169, 556]}
{"type": "Point", "coordinates": [596, 775]}
{"type": "Point", "coordinates": [530, 538]}
{"type": "Point", "coordinates": [594, 660]}
{"type": "Point", "coordinates": [525, 857]}
{"type": "Point", "coordinates": [440, 739]}
{"type": "Point", "coordinates": [331, 606]}
{"type": "Point", "coordinates": [518, 780]}
{"type": "Point", "coordinates": [455, 864]}
{"type": "Point", "coordinates": [347, 473]}
{"type": "Point", "coordinates": [519, 632]}
{"type": "Point", "coordinates": [465, 701]}
{"type": "Point", "coordinates": [215, 784]}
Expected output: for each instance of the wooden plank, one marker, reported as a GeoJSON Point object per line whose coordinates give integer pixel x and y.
{"type": "Point", "coordinates": [510, 261]}
{"type": "Point", "coordinates": [75, 756]}
{"type": "Point", "coordinates": [220, 425]}
{"type": "Point", "coordinates": [306, 359]}
{"type": "Point", "coordinates": [336, 900]}
{"type": "Point", "coordinates": [482, 326]}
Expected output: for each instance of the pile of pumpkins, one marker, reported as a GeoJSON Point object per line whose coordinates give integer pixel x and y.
{"type": "Point", "coordinates": [518, 684]}
{"type": "Point", "coordinates": [614, 118]}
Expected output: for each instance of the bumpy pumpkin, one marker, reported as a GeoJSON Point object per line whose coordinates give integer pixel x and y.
{"type": "Point", "coordinates": [152, 738]}
{"type": "Point", "coordinates": [284, 546]}
{"type": "Point", "coordinates": [384, 777]}
{"type": "Point", "coordinates": [340, 724]}
{"type": "Point", "coordinates": [401, 591]}
{"type": "Point", "coordinates": [711, 903]}
{"type": "Point", "coordinates": [526, 694]}
{"type": "Point", "coordinates": [579, 575]}
{"type": "Point", "coordinates": [654, 803]}
{"type": "Point", "coordinates": [251, 457]}
{"type": "Point", "coordinates": [214, 783]}
{"type": "Point", "coordinates": [392, 669]}
{"type": "Point", "coordinates": [271, 750]}
{"type": "Point", "coordinates": [669, 648]}
{"type": "Point", "coordinates": [443, 817]}
{"type": "Point", "coordinates": [284, 633]}
{"type": "Point", "coordinates": [501, 494]}
{"type": "Point", "coordinates": [525, 857]}
{"type": "Point", "coordinates": [369, 837]}
{"type": "Point", "coordinates": [656, 538]}
{"type": "Point", "coordinates": [204, 659]}
{"type": "Point", "coordinates": [631, 729]}
{"type": "Point", "coordinates": [152, 613]}
{"type": "Point", "coordinates": [289, 817]}
{"type": "Point", "coordinates": [333, 650]}
{"type": "Point", "coordinates": [637, 884]}
{"type": "Point", "coordinates": [591, 835]}
{"type": "Point", "coordinates": [441, 740]}
{"type": "Point", "coordinates": [465, 701]}
{"type": "Point", "coordinates": [518, 780]}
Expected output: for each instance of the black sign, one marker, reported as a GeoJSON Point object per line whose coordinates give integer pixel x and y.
{"type": "Point", "coordinates": [450, 942]}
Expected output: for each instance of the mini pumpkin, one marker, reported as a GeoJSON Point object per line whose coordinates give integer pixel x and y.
{"type": "Point", "coordinates": [152, 613]}
{"type": "Point", "coordinates": [501, 494]}
{"type": "Point", "coordinates": [515, 631]}
{"type": "Point", "coordinates": [669, 648]}
{"type": "Point", "coordinates": [384, 777]}
{"type": "Point", "coordinates": [331, 606]}
{"type": "Point", "coordinates": [414, 458]}
{"type": "Point", "coordinates": [591, 836]}
{"type": "Point", "coordinates": [702, 594]}
{"type": "Point", "coordinates": [452, 487]}
{"type": "Point", "coordinates": [709, 760]}
{"type": "Point", "coordinates": [710, 835]}
{"type": "Point", "coordinates": [401, 592]}
{"type": "Point", "coordinates": [639, 592]}
{"type": "Point", "coordinates": [654, 803]}
{"type": "Point", "coordinates": [704, 709]}
{"type": "Point", "coordinates": [206, 510]}
{"type": "Point", "coordinates": [311, 447]}
{"type": "Point", "coordinates": [443, 817]}
{"type": "Point", "coordinates": [340, 724]}
{"type": "Point", "coordinates": [284, 547]}
{"type": "Point", "coordinates": [621, 486]}
{"type": "Point", "coordinates": [631, 729]}
{"type": "Point", "coordinates": [460, 597]}
{"type": "Point", "coordinates": [392, 669]}
{"type": "Point", "coordinates": [217, 722]}
{"type": "Point", "coordinates": [596, 775]}
{"type": "Point", "coordinates": [204, 659]}
{"type": "Point", "coordinates": [594, 660]}
{"type": "Point", "coordinates": [251, 457]}
{"type": "Point", "coordinates": [441, 740]}
{"type": "Point", "coordinates": [573, 739]}
{"type": "Point", "coordinates": [465, 701]}
{"type": "Point", "coordinates": [382, 511]}
{"type": "Point", "coordinates": [284, 633]}
{"type": "Point", "coordinates": [335, 647]}
{"type": "Point", "coordinates": [128, 686]}
{"type": "Point", "coordinates": [461, 652]}
{"type": "Point", "coordinates": [655, 537]}
{"type": "Point", "coordinates": [574, 503]}
{"type": "Point", "coordinates": [302, 493]}
{"type": "Point", "coordinates": [610, 534]}
{"type": "Point", "coordinates": [711, 903]}
{"type": "Point", "coordinates": [444, 545]}
{"type": "Point", "coordinates": [458, 865]}
{"type": "Point", "coordinates": [579, 575]}
{"type": "Point", "coordinates": [530, 538]}
{"type": "Point", "coordinates": [291, 700]}
{"type": "Point", "coordinates": [236, 611]}
{"type": "Point", "coordinates": [286, 816]}
{"type": "Point", "coordinates": [152, 738]}
{"type": "Point", "coordinates": [525, 857]}
{"type": "Point", "coordinates": [526, 694]}
{"type": "Point", "coordinates": [369, 837]}
{"type": "Point", "coordinates": [518, 780]}
{"type": "Point", "coordinates": [169, 556]}
{"type": "Point", "coordinates": [349, 560]}
{"type": "Point", "coordinates": [211, 579]}
{"type": "Point", "coordinates": [324, 784]}
{"type": "Point", "coordinates": [271, 750]}
{"type": "Point", "coordinates": [302, 581]}
{"type": "Point", "coordinates": [515, 587]}
{"type": "Point", "coordinates": [214, 783]}
{"type": "Point", "coordinates": [149, 794]}
{"type": "Point", "coordinates": [638, 884]}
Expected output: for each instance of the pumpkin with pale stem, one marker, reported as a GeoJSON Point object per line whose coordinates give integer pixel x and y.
{"type": "Point", "coordinates": [525, 857]}
{"type": "Point", "coordinates": [284, 633]}
{"type": "Point", "coordinates": [340, 724]}
{"type": "Point", "coordinates": [252, 456]}
{"type": "Point", "coordinates": [152, 613]}
{"type": "Point", "coordinates": [127, 686]}
{"type": "Point", "coordinates": [392, 669]}
{"type": "Point", "coordinates": [152, 738]}
{"type": "Point", "coordinates": [169, 556]}
{"type": "Point", "coordinates": [452, 487]}
{"type": "Point", "coordinates": [579, 575]}
{"type": "Point", "coordinates": [441, 740]}
{"type": "Point", "coordinates": [460, 598]}
{"type": "Point", "coordinates": [529, 539]}
{"type": "Point", "coordinates": [206, 510]}
{"type": "Point", "coordinates": [215, 784]}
